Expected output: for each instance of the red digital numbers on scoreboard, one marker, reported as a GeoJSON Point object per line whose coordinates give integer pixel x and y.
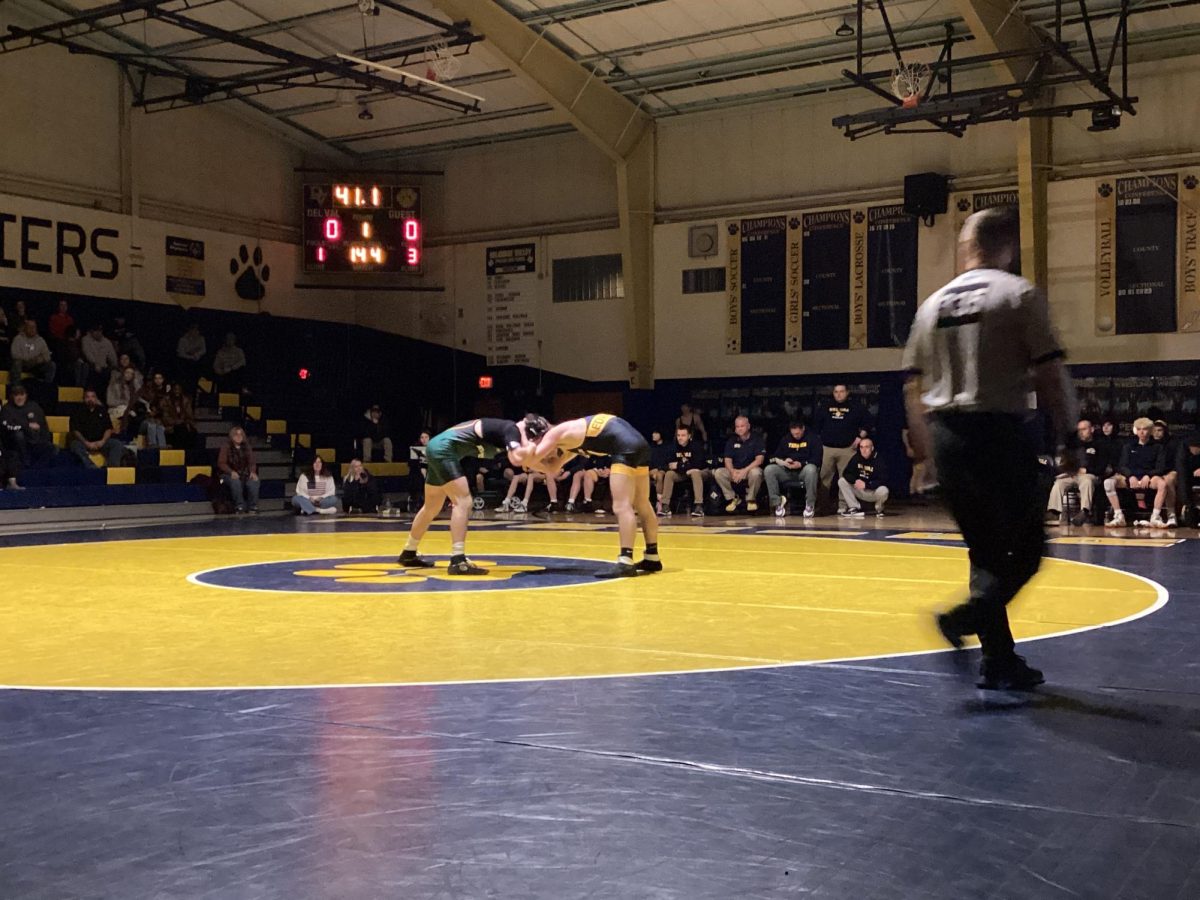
{"type": "Point", "coordinates": [361, 227]}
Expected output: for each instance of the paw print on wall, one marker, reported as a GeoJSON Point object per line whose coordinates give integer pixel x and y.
{"type": "Point", "coordinates": [1190, 182]}
{"type": "Point", "coordinates": [859, 218]}
{"type": "Point", "coordinates": [963, 204]}
{"type": "Point", "coordinates": [794, 222]}
{"type": "Point", "coordinates": [733, 228]}
{"type": "Point", "coordinates": [252, 275]}
{"type": "Point", "coordinates": [1104, 190]}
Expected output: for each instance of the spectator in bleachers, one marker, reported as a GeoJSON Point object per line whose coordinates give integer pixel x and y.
{"type": "Point", "coordinates": [1087, 464]}
{"type": "Point", "coordinates": [125, 361]}
{"type": "Point", "coordinates": [127, 343]}
{"type": "Point", "coordinates": [690, 419]}
{"type": "Point", "coordinates": [1141, 466]}
{"type": "Point", "coordinates": [148, 407]}
{"type": "Point", "coordinates": [375, 431]}
{"type": "Point", "coordinates": [863, 479]}
{"type": "Point", "coordinates": [797, 461]}
{"type": "Point", "coordinates": [840, 423]}
{"type": "Point", "coordinates": [745, 453]}
{"type": "Point", "coordinates": [239, 470]}
{"type": "Point", "coordinates": [1160, 433]}
{"type": "Point", "coordinates": [19, 316]}
{"type": "Point", "coordinates": [60, 321]}
{"type": "Point", "coordinates": [27, 435]}
{"type": "Point", "coordinates": [72, 367]}
{"type": "Point", "coordinates": [100, 354]}
{"type": "Point", "coordinates": [92, 432]}
{"type": "Point", "coordinates": [178, 418]}
{"type": "Point", "coordinates": [688, 463]}
{"type": "Point", "coordinates": [31, 355]}
{"type": "Point", "coordinates": [120, 395]}
{"type": "Point", "coordinates": [189, 356]}
{"type": "Point", "coordinates": [316, 491]}
{"type": "Point", "coordinates": [360, 490]}
{"type": "Point", "coordinates": [229, 366]}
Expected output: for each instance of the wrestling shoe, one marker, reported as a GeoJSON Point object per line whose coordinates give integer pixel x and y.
{"type": "Point", "coordinates": [649, 565]}
{"type": "Point", "coordinates": [618, 570]}
{"type": "Point", "coordinates": [570, 506]}
{"type": "Point", "coordinates": [1011, 674]}
{"type": "Point", "coordinates": [410, 560]}
{"type": "Point", "coordinates": [465, 567]}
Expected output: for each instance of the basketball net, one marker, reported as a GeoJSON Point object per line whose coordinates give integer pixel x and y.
{"type": "Point", "coordinates": [440, 64]}
{"type": "Point", "coordinates": [908, 80]}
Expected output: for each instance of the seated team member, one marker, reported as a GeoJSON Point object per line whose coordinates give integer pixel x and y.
{"type": "Point", "coordinates": [360, 490]}
{"type": "Point", "coordinates": [661, 454]}
{"type": "Point", "coordinates": [523, 478]}
{"type": "Point", "coordinates": [239, 470]}
{"type": "Point", "coordinates": [316, 491]}
{"type": "Point", "coordinates": [92, 432]}
{"type": "Point", "coordinates": [607, 435]}
{"type": "Point", "coordinates": [863, 479]}
{"type": "Point", "coordinates": [375, 431]}
{"type": "Point", "coordinates": [444, 480]}
{"type": "Point", "coordinates": [688, 465]}
{"type": "Point", "coordinates": [1141, 466]}
{"type": "Point", "coordinates": [1086, 466]}
{"type": "Point", "coordinates": [1188, 467]}
{"type": "Point", "coordinates": [745, 454]}
{"type": "Point", "coordinates": [584, 476]}
{"type": "Point", "coordinates": [797, 460]}
{"type": "Point", "coordinates": [690, 419]}
{"type": "Point", "coordinates": [27, 436]}
{"type": "Point", "coordinates": [1161, 434]}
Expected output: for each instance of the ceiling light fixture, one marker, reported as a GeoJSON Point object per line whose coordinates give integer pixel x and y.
{"type": "Point", "coordinates": [365, 113]}
{"type": "Point", "coordinates": [845, 29]}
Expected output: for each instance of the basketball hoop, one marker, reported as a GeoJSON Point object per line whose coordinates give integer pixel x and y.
{"type": "Point", "coordinates": [908, 81]}
{"type": "Point", "coordinates": [440, 63]}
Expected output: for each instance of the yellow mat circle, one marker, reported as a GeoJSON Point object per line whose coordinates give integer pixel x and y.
{"type": "Point", "coordinates": [124, 614]}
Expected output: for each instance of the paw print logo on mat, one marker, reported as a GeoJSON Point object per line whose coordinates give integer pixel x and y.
{"type": "Point", "coordinates": [252, 275]}
{"type": "Point", "coordinates": [375, 573]}
{"type": "Point", "coordinates": [1104, 190]}
{"type": "Point", "coordinates": [1190, 182]}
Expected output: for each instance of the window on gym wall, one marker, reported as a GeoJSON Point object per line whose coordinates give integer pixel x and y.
{"type": "Point", "coordinates": [704, 281]}
{"type": "Point", "coordinates": [588, 278]}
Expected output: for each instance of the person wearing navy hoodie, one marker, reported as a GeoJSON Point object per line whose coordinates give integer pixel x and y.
{"type": "Point", "coordinates": [1142, 466]}
{"type": "Point", "coordinates": [863, 479]}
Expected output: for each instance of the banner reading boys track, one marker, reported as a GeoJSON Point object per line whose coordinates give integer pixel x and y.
{"type": "Point", "coordinates": [825, 249]}
{"type": "Point", "coordinates": [891, 275]}
{"type": "Point", "coordinates": [1146, 254]}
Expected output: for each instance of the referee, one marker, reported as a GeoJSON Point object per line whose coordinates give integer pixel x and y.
{"type": "Point", "coordinates": [977, 347]}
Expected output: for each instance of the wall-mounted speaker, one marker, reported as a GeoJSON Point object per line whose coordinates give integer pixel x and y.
{"type": "Point", "coordinates": [702, 241]}
{"type": "Point", "coordinates": [926, 194]}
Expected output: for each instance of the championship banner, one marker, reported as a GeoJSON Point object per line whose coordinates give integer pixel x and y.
{"type": "Point", "coordinates": [795, 266]}
{"type": "Point", "coordinates": [763, 284]}
{"type": "Point", "coordinates": [965, 204]}
{"type": "Point", "coordinates": [891, 275]}
{"type": "Point", "coordinates": [1140, 226]}
{"type": "Point", "coordinates": [511, 305]}
{"type": "Point", "coordinates": [1189, 252]}
{"type": "Point", "coordinates": [825, 279]}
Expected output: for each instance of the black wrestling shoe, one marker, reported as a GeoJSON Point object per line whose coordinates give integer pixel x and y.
{"type": "Point", "coordinates": [410, 560]}
{"type": "Point", "coordinates": [465, 567]}
{"type": "Point", "coordinates": [1010, 674]}
{"type": "Point", "coordinates": [618, 570]}
{"type": "Point", "coordinates": [953, 638]}
{"type": "Point", "coordinates": [649, 565]}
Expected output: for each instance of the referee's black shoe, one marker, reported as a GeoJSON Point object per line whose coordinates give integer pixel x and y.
{"type": "Point", "coordinates": [949, 632]}
{"type": "Point", "coordinates": [1008, 674]}
{"type": "Point", "coordinates": [410, 560]}
{"type": "Point", "coordinates": [618, 570]}
{"type": "Point", "coordinates": [649, 565]}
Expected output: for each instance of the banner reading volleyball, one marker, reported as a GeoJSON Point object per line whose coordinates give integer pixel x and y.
{"type": "Point", "coordinates": [1146, 254]}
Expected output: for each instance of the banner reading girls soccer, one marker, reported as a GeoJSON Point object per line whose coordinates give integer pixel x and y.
{"type": "Point", "coordinates": [1146, 254]}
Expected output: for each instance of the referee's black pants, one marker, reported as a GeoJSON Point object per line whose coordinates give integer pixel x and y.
{"type": "Point", "coordinates": [988, 471]}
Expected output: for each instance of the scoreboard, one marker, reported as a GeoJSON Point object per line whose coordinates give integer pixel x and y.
{"type": "Point", "coordinates": [362, 227]}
